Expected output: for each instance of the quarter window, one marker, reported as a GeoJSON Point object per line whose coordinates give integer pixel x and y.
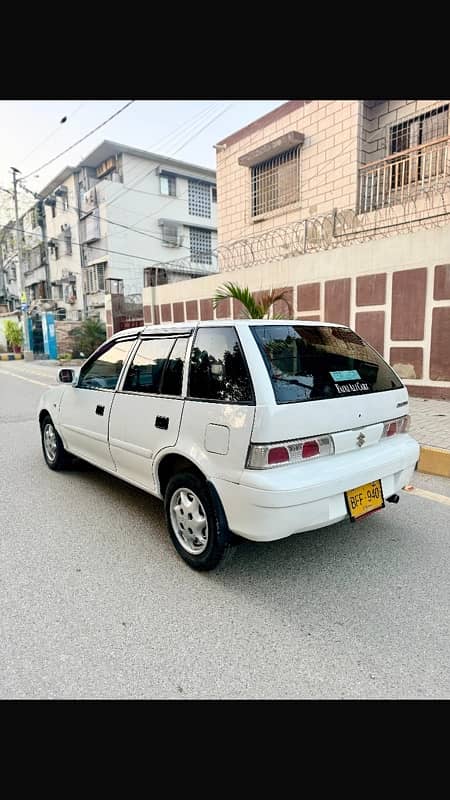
{"type": "Point", "coordinates": [104, 371]}
{"type": "Point", "coordinates": [217, 368]}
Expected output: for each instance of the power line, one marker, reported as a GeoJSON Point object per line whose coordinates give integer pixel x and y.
{"type": "Point", "coordinates": [63, 152]}
{"type": "Point", "coordinates": [150, 216]}
{"type": "Point", "coordinates": [150, 172]}
{"type": "Point", "coordinates": [103, 249]}
{"type": "Point", "coordinates": [58, 127]}
{"type": "Point", "coordinates": [128, 227]}
{"type": "Point", "coordinates": [105, 219]}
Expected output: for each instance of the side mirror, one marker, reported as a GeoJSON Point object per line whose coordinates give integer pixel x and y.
{"type": "Point", "coordinates": [66, 375]}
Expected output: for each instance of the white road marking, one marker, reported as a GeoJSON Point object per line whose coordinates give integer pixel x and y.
{"type": "Point", "coordinates": [22, 378]}
{"type": "Point", "coordinates": [438, 498]}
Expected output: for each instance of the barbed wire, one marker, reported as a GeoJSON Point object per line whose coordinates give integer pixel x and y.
{"type": "Point", "coordinates": [329, 231]}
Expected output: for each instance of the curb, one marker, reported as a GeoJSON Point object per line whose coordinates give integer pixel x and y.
{"type": "Point", "coordinates": [434, 461]}
{"type": "Point", "coordinates": [11, 356]}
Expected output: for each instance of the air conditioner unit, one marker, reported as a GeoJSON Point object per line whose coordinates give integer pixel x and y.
{"type": "Point", "coordinates": [61, 191]}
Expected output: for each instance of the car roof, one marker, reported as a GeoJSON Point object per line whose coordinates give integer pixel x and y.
{"type": "Point", "coordinates": [187, 327]}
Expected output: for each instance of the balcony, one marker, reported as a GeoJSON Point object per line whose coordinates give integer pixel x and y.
{"type": "Point", "coordinates": [403, 177]}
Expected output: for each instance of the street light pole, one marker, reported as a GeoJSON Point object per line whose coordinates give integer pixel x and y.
{"type": "Point", "coordinates": [20, 280]}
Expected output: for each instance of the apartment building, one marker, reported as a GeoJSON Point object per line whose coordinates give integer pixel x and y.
{"type": "Point", "coordinates": [9, 268]}
{"type": "Point", "coordinates": [64, 281]}
{"type": "Point", "coordinates": [137, 211]}
{"type": "Point", "coordinates": [344, 204]}
{"type": "Point", "coordinates": [109, 225]}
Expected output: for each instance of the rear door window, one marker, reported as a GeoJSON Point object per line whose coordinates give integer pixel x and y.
{"type": "Point", "coordinates": [157, 367]}
{"type": "Point", "coordinates": [312, 362]}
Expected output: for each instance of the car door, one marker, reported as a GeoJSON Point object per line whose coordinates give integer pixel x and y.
{"type": "Point", "coordinates": [147, 408]}
{"type": "Point", "coordinates": [85, 408]}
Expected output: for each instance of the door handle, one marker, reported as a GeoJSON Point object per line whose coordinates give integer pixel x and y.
{"type": "Point", "coordinates": [100, 410]}
{"type": "Point", "coordinates": [162, 422]}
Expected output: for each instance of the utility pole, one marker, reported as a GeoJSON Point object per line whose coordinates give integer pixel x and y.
{"type": "Point", "coordinates": [20, 282]}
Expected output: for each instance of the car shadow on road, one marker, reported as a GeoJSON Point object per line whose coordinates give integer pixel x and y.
{"type": "Point", "coordinates": [309, 557]}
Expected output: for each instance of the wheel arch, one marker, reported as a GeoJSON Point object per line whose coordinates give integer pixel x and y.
{"type": "Point", "coordinates": [171, 463]}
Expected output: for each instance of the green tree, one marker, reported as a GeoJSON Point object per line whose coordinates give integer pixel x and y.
{"type": "Point", "coordinates": [88, 336]}
{"type": "Point", "coordinates": [13, 333]}
{"type": "Point", "coordinates": [252, 309]}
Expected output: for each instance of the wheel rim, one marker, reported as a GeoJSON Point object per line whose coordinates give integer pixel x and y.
{"type": "Point", "coordinates": [189, 521]}
{"type": "Point", "coordinates": [50, 443]}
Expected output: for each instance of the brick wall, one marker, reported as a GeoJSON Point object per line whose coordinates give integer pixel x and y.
{"type": "Point", "coordinates": [328, 167]}
{"type": "Point", "coordinates": [395, 293]}
{"type": "Point", "coordinates": [340, 136]}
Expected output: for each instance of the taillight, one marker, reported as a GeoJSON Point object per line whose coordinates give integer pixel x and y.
{"type": "Point", "coordinates": [277, 455]}
{"type": "Point", "coordinates": [263, 456]}
{"type": "Point", "coordinates": [400, 425]}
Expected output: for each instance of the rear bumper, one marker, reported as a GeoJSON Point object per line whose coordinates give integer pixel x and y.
{"type": "Point", "coordinates": [273, 504]}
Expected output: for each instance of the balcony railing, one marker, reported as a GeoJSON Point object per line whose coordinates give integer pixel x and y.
{"type": "Point", "coordinates": [404, 176]}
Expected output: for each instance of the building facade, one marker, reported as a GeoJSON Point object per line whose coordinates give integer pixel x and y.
{"type": "Point", "coordinates": [138, 210]}
{"type": "Point", "coordinates": [345, 204]}
{"type": "Point", "coordinates": [109, 225]}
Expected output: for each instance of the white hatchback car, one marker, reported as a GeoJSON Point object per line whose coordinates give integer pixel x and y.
{"type": "Point", "coordinates": [254, 428]}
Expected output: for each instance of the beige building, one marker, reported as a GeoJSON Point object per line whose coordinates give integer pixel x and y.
{"type": "Point", "coordinates": [345, 204]}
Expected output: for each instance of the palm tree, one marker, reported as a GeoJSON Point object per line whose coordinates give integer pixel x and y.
{"type": "Point", "coordinates": [252, 309]}
{"type": "Point", "coordinates": [88, 336]}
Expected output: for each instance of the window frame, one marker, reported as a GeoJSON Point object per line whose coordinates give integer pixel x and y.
{"type": "Point", "coordinates": [268, 365]}
{"type": "Point", "coordinates": [258, 175]}
{"type": "Point", "coordinates": [108, 345]}
{"type": "Point", "coordinates": [171, 183]}
{"type": "Point", "coordinates": [194, 203]}
{"type": "Point", "coordinates": [204, 257]}
{"type": "Point", "coordinates": [251, 402]}
{"type": "Point", "coordinates": [145, 337]}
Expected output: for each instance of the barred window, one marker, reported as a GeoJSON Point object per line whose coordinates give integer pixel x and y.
{"type": "Point", "coordinates": [431, 125]}
{"type": "Point", "coordinates": [200, 246]}
{"type": "Point", "coordinates": [412, 133]}
{"type": "Point", "coordinates": [199, 199]}
{"type": "Point", "coordinates": [276, 182]}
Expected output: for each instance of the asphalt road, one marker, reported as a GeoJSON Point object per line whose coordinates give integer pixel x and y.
{"type": "Point", "coordinates": [96, 603]}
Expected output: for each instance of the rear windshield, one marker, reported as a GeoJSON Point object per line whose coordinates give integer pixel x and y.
{"type": "Point", "coordinates": [307, 362]}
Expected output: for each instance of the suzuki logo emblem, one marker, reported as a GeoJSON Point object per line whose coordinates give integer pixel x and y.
{"type": "Point", "coordinates": [360, 439]}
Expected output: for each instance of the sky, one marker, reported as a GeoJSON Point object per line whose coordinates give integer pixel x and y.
{"type": "Point", "coordinates": [31, 132]}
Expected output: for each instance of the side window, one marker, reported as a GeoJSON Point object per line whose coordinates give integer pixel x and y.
{"type": "Point", "coordinates": [172, 380]}
{"type": "Point", "coordinates": [217, 369]}
{"type": "Point", "coordinates": [104, 371]}
{"type": "Point", "coordinates": [146, 371]}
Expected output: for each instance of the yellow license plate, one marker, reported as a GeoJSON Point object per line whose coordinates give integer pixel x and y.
{"type": "Point", "coordinates": [364, 499]}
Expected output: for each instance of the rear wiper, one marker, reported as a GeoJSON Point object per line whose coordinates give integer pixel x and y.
{"type": "Point", "coordinates": [293, 381]}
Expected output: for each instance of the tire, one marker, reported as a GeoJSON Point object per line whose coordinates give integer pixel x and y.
{"type": "Point", "coordinates": [204, 543]}
{"type": "Point", "coordinates": [55, 455]}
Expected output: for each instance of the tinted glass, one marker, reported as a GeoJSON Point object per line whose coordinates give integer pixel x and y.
{"type": "Point", "coordinates": [146, 370]}
{"type": "Point", "coordinates": [217, 369]}
{"type": "Point", "coordinates": [172, 379]}
{"type": "Point", "coordinates": [314, 363]}
{"type": "Point", "coordinates": [104, 371]}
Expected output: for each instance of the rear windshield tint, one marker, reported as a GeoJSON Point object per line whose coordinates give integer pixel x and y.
{"type": "Point", "coordinates": [309, 362]}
